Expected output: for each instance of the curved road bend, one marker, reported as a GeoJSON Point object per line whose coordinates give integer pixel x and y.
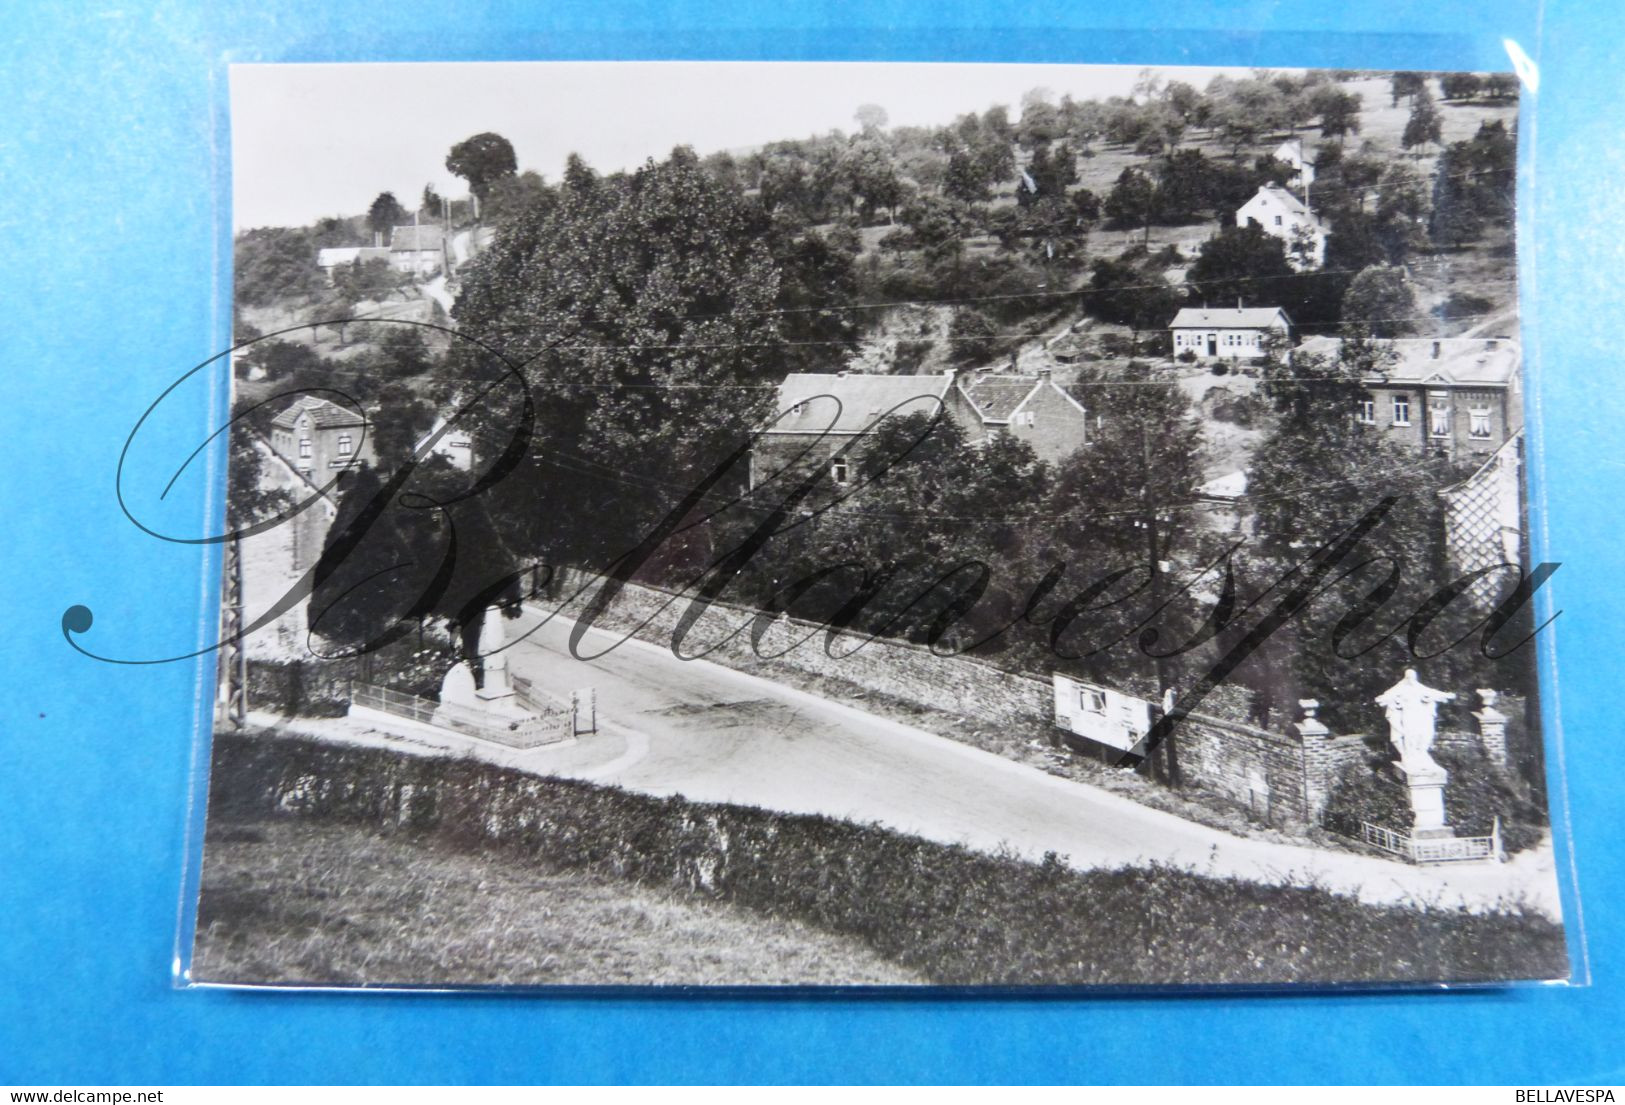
{"type": "Point", "coordinates": [718, 735]}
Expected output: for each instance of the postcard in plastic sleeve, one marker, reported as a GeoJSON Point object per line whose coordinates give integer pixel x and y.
{"type": "Point", "coordinates": [863, 525]}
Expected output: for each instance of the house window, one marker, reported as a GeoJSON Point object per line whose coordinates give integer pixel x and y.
{"type": "Point", "coordinates": [1277, 220]}
{"type": "Point", "coordinates": [1092, 701]}
{"type": "Point", "coordinates": [1402, 410]}
{"type": "Point", "coordinates": [1367, 411]}
{"type": "Point", "coordinates": [346, 443]}
{"type": "Point", "coordinates": [1479, 422]}
{"type": "Point", "coordinates": [838, 470]}
{"type": "Point", "coordinates": [304, 448]}
{"type": "Point", "coordinates": [1438, 414]}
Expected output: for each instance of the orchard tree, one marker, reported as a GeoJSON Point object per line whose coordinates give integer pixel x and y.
{"type": "Point", "coordinates": [1405, 85]}
{"type": "Point", "coordinates": [1132, 200]}
{"type": "Point", "coordinates": [1459, 86]}
{"type": "Point", "coordinates": [482, 160]}
{"type": "Point", "coordinates": [1339, 111]}
{"type": "Point", "coordinates": [1424, 124]}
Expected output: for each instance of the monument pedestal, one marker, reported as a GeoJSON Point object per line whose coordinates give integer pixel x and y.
{"type": "Point", "coordinates": [1426, 789]}
{"type": "Point", "coordinates": [494, 704]}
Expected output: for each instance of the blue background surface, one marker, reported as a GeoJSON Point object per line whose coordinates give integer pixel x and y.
{"type": "Point", "coordinates": [109, 133]}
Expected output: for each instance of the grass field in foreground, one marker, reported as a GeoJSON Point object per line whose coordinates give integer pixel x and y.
{"type": "Point", "coordinates": [295, 901]}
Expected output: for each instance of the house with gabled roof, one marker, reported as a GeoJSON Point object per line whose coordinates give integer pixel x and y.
{"type": "Point", "coordinates": [1282, 215]}
{"type": "Point", "coordinates": [312, 441]}
{"type": "Point", "coordinates": [1228, 333]}
{"type": "Point", "coordinates": [317, 438]}
{"type": "Point", "coordinates": [1457, 397]}
{"type": "Point", "coordinates": [820, 413]}
{"type": "Point", "coordinates": [418, 249]}
{"type": "Point", "coordinates": [1030, 408]}
{"type": "Point", "coordinates": [1291, 153]}
{"type": "Point", "coordinates": [330, 260]}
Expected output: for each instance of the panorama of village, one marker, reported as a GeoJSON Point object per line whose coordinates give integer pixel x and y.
{"type": "Point", "coordinates": [1068, 544]}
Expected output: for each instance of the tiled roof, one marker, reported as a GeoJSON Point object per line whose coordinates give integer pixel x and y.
{"type": "Point", "coordinates": [415, 237]}
{"type": "Point", "coordinates": [996, 397]}
{"type": "Point", "coordinates": [1463, 361]}
{"type": "Point", "coordinates": [851, 402]}
{"type": "Point", "coordinates": [1245, 318]}
{"type": "Point", "coordinates": [323, 414]}
{"type": "Point", "coordinates": [1288, 200]}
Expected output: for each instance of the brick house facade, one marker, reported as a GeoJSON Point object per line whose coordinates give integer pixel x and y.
{"type": "Point", "coordinates": [1459, 397]}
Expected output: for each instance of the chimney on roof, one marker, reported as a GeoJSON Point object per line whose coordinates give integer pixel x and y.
{"type": "Point", "coordinates": [841, 374]}
{"type": "Point", "coordinates": [1436, 345]}
{"type": "Point", "coordinates": [377, 239]}
{"type": "Point", "coordinates": [1238, 302]}
{"type": "Point", "coordinates": [1043, 374]}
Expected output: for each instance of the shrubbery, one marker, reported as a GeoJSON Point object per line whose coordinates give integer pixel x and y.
{"type": "Point", "coordinates": [1478, 792]}
{"type": "Point", "coordinates": [957, 916]}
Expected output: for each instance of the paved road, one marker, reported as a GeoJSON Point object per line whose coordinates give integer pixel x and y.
{"type": "Point", "coordinates": [714, 734]}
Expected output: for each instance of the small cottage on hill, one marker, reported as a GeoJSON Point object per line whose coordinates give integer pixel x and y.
{"type": "Point", "coordinates": [1228, 333]}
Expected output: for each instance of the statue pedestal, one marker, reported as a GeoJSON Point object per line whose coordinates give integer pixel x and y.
{"type": "Point", "coordinates": [1426, 788]}
{"type": "Point", "coordinates": [490, 705]}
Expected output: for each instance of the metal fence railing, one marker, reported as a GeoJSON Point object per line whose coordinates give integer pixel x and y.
{"type": "Point", "coordinates": [1443, 849]}
{"type": "Point", "coordinates": [549, 723]}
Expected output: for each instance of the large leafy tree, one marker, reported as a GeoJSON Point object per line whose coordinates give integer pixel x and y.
{"type": "Point", "coordinates": [385, 214]}
{"type": "Point", "coordinates": [1241, 263]}
{"type": "Point", "coordinates": [1381, 302]}
{"type": "Point", "coordinates": [482, 160]}
{"type": "Point", "coordinates": [1313, 476]}
{"type": "Point", "coordinates": [1132, 200]}
{"type": "Point", "coordinates": [643, 309]}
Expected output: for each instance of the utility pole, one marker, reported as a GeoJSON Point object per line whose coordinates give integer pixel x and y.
{"type": "Point", "coordinates": [1170, 755]}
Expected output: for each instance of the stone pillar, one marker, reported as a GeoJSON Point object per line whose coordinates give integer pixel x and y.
{"type": "Point", "coordinates": [1318, 765]}
{"type": "Point", "coordinates": [1492, 728]}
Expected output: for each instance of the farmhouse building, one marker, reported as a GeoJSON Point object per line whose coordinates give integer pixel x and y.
{"type": "Point", "coordinates": [329, 260]}
{"type": "Point", "coordinates": [1282, 215]}
{"type": "Point", "coordinates": [1228, 333]}
{"type": "Point", "coordinates": [318, 438]}
{"type": "Point", "coordinates": [1030, 408]}
{"type": "Point", "coordinates": [1458, 397]}
{"type": "Point", "coordinates": [1291, 153]}
{"type": "Point", "coordinates": [417, 250]}
{"type": "Point", "coordinates": [819, 415]}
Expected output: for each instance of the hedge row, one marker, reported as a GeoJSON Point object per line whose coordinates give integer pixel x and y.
{"type": "Point", "coordinates": [956, 916]}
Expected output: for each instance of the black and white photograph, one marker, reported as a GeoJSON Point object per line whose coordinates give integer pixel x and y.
{"type": "Point", "coordinates": [875, 525]}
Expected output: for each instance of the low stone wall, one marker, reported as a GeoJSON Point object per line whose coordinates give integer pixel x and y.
{"type": "Point", "coordinates": [1260, 771]}
{"type": "Point", "coordinates": [909, 672]}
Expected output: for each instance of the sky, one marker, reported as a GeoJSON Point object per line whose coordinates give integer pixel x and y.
{"type": "Point", "coordinates": [315, 140]}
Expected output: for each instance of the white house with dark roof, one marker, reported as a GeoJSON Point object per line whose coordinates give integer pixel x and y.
{"type": "Point", "coordinates": [331, 259]}
{"type": "Point", "coordinates": [1291, 153]}
{"type": "Point", "coordinates": [1228, 333]}
{"type": "Point", "coordinates": [418, 249]}
{"type": "Point", "coordinates": [1283, 215]}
